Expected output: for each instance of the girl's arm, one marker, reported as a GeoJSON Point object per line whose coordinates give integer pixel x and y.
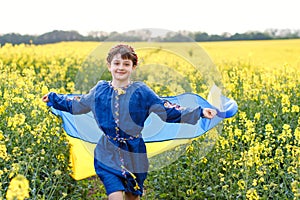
{"type": "Point", "coordinates": [176, 114]}
{"type": "Point", "coordinates": [58, 102]}
{"type": "Point", "coordinates": [77, 105]}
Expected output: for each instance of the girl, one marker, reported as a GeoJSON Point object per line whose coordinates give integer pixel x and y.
{"type": "Point", "coordinates": [120, 108]}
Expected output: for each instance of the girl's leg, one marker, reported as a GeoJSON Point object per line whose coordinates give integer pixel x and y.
{"type": "Point", "coordinates": [130, 196]}
{"type": "Point", "coordinates": [118, 195]}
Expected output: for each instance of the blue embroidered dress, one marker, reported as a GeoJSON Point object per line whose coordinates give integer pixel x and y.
{"type": "Point", "coordinates": [120, 157]}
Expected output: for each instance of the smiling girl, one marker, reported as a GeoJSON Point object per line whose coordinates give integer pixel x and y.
{"type": "Point", "coordinates": [120, 108]}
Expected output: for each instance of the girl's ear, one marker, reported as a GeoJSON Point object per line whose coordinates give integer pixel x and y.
{"type": "Point", "coordinates": [134, 67]}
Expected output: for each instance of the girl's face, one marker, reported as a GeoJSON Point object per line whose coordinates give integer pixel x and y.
{"type": "Point", "coordinates": [121, 69]}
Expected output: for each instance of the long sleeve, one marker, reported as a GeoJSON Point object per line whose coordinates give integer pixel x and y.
{"type": "Point", "coordinates": [172, 113]}
{"type": "Point", "coordinates": [60, 102]}
{"type": "Point", "coordinates": [77, 105]}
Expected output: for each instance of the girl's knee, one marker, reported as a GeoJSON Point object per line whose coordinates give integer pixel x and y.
{"type": "Point", "coordinates": [130, 196]}
{"type": "Point", "coordinates": [118, 195]}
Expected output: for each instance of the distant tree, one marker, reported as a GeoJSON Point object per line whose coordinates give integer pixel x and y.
{"type": "Point", "coordinates": [250, 36]}
{"type": "Point", "coordinates": [225, 35]}
{"type": "Point", "coordinates": [238, 36]}
{"type": "Point", "coordinates": [97, 36]}
{"type": "Point", "coordinates": [201, 36]}
{"type": "Point", "coordinates": [58, 36]}
{"type": "Point", "coordinates": [282, 33]}
{"type": "Point", "coordinates": [15, 38]}
{"type": "Point", "coordinates": [216, 38]}
{"type": "Point", "coordinates": [145, 35]}
{"type": "Point", "coordinates": [114, 36]}
{"type": "Point", "coordinates": [273, 33]}
{"type": "Point", "coordinates": [260, 36]}
{"type": "Point", "coordinates": [177, 37]}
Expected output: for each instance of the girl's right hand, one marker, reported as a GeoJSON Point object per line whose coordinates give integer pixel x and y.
{"type": "Point", "coordinates": [45, 98]}
{"type": "Point", "coordinates": [209, 113]}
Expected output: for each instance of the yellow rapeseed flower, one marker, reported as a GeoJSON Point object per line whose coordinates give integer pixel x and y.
{"type": "Point", "coordinates": [17, 100]}
{"type": "Point", "coordinates": [34, 113]}
{"type": "Point", "coordinates": [17, 120]}
{"type": "Point", "coordinates": [295, 109]}
{"type": "Point", "coordinates": [45, 90]}
{"type": "Point", "coordinates": [57, 172]}
{"type": "Point", "coordinates": [269, 129]}
{"type": "Point", "coordinates": [189, 148]}
{"type": "Point", "coordinates": [252, 194]}
{"type": "Point", "coordinates": [1, 173]}
{"type": "Point", "coordinates": [261, 179]}
{"type": "Point", "coordinates": [190, 192]}
{"type": "Point", "coordinates": [2, 109]}
{"type": "Point", "coordinates": [254, 183]}
{"type": "Point", "coordinates": [1, 135]}
{"type": "Point", "coordinates": [297, 135]}
{"type": "Point", "coordinates": [285, 101]}
{"type": "Point", "coordinates": [60, 157]}
{"type": "Point", "coordinates": [3, 151]}
{"type": "Point", "coordinates": [296, 188]}
{"type": "Point", "coordinates": [257, 116]}
{"type": "Point", "coordinates": [204, 160]}
{"type": "Point", "coordinates": [15, 167]}
{"type": "Point", "coordinates": [241, 183]}
{"type": "Point", "coordinates": [18, 188]}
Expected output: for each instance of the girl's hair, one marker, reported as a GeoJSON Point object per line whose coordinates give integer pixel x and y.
{"type": "Point", "coordinates": [126, 51]}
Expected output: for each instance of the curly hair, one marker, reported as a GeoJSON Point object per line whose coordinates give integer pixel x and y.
{"type": "Point", "coordinates": [126, 51]}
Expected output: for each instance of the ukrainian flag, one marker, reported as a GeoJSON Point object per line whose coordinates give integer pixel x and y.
{"type": "Point", "coordinates": [83, 132]}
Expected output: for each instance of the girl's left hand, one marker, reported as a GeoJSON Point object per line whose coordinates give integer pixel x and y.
{"type": "Point", "coordinates": [209, 113]}
{"type": "Point", "coordinates": [45, 98]}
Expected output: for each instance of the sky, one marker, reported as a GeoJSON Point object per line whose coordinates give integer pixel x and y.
{"type": "Point", "coordinates": [36, 17]}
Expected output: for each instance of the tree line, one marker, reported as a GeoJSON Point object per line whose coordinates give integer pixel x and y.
{"type": "Point", "coordinates": [145, 35]}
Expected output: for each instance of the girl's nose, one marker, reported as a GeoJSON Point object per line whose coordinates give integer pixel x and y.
{"type": "Point", "coordinates": [121, 66]}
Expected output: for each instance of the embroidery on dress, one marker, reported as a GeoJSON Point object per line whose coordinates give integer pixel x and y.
{"type": "Point", "coordinates": [168, 104]}
{"type": "Point", "coordinates": [77, 98]}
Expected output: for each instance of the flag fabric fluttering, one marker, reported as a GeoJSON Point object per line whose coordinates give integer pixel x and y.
{"type": "Point", "coordinates": [83, 133]}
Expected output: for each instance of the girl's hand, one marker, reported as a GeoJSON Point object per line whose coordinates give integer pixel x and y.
{"type": "Point", "coordinates": [209, 113]}
{"type": "Point", "coordinates": [45, 98]}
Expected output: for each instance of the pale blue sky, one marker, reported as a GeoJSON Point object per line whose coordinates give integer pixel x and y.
{"type": "Point", "coordinates": [211, 16]}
